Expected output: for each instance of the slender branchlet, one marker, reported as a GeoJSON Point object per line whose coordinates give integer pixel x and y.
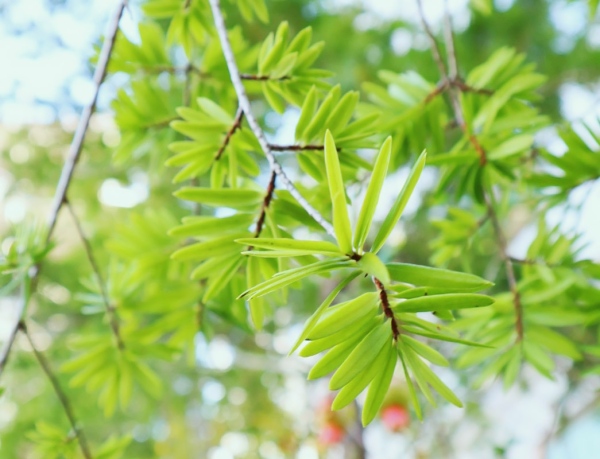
{"type": "Point", "coordinates": [154, 69]}
{"type": "Point", "coordinates": [249, 77]}
{"type": "Point", "coordinates": [458, 114]}
{"type": "Point", "coordinates": [109, 308]}
{"type": "Point", "coordinates": [387, 310]}
{"type": "Point", "coordinates": [435, 49]}
{"type": "Point", "coordinates": [60, 393]}
{"type": "Point", "coordinates": [84, 121]}
{"type": "Point", "coordinates": [237, 124]}
{"type": "Point", "coordinates": [297, 147]}
{"type": "Point", "coordinates": [446, 84]}
{"type": "Point", "coordinates": [449, 39]}
{"type": "Point", "coordinates": [508, 265]}
{"type": "Point", "coordinates": [265, 205]}
{"type": "Point", "coordinates": [69, 167]}
{"type": "Point", "coordinates": [531, 262]}
{"type": "Point", "coordinates": [245, 105]}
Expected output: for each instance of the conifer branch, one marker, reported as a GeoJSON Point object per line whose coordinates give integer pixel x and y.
{"type": "Point", "coordinates": [84, 121]}
{"type": "Point", "coordinates": [60, 393]}
{"type": "Point", "coordinates": [109, 308]}
{"type": "Point", "coordinates": [69, 167]}
{"type": "Point", "coordinates": [458, 113]}
{"type": "Point", "coordinates": [244, 102]}
{"type": "Point", "coordinates": [488, 195]}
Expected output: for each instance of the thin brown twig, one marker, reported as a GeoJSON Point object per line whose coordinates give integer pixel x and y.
{"type": "Point", "coordinates": [453, 78]}
{"type": "Point", "coordinates": [109, 308]}
{"type": "Point", "coordinates": [387, 310]}
{"type": "Point", "coordinates": [450, 49]}
{"type": "Point", "coordinates": [297, 147]}
{"type": "Point", "coordinates": [529, 261]}
{"type": "Point", "coordinates": [435, 49]}
{"type": "Point", "coordinates": [60, 393]}
{"type": "Point", "coordinates": [458, 113]}
{"type": "Point", "coordinates": [457, 82]}
{"type": "Point", "coordinates": [69, 167]}
{"type": "Point", "coordinates": [509, 268]}
{"type": "Point", "coordinates": [445, 84]}
{"type": "Point", "coordinates": [260, 222]}
{"type": "Point", "coordinates": [237, 124]}
{"type": "Point", "coordinates": [187, 86]}
{"type": "Point", "coordinates": [488, 196]}
{"type": "Point", "coordinates": [189, 68]}
{"type": "Point", "coordinates": [439, 89]}
{"type": "Point", "coordinates": [250, 77]}
{"type": "Point", "coordinates": [524, 261]}
{"type": "Point", "coordinates": [160, 124]}
{"type": "Point", "coordinates": [154, 69]}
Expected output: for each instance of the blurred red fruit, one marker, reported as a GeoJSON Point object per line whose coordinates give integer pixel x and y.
{"type": "Point", "coordinates": [331, 434]}
{"type": "Point", "coordinates": [395, 417]}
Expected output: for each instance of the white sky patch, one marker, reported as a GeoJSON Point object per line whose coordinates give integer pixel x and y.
{"type": "Point", "coordinates": [113, 193]}
{"type": "Point", "coordinates": [401, 41]}
{"type": "Point", "coordinates": [213, 392]}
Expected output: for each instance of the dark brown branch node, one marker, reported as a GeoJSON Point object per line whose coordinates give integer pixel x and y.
{"type": "Point", "coordinates": [297, 147]}
{"type": "Point", "coordinates": [250, 77]}
{"type": "Point", "coordinates": [387, 310]}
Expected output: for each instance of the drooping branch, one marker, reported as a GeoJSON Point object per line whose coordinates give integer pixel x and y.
{"type": "Point", "coordinates": [237, 124]}
{"type": "Point", "coordinates": [60, 393]}
{"type": "Point", "coordinates": [69, 167]}
{"type": "Point", "coordinates": [488, 195]}
{"type": "Point", "coordinates": [77, 142]}
{"type": "Point", "coordinates": [458, 114]}
{"type": "Point", "coordinates": [244, 102]}
{"type": "Point", "coordinates": [109, 308]}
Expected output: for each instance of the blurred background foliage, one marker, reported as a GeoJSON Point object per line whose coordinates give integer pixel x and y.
{"type": "Point", "coordinates": [226, 392]}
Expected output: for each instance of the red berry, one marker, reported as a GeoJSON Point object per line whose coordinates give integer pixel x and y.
{"type": "Point", "coordinates": [395, 417]}
{"type": "Point", "coordinates": [331, 434]}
